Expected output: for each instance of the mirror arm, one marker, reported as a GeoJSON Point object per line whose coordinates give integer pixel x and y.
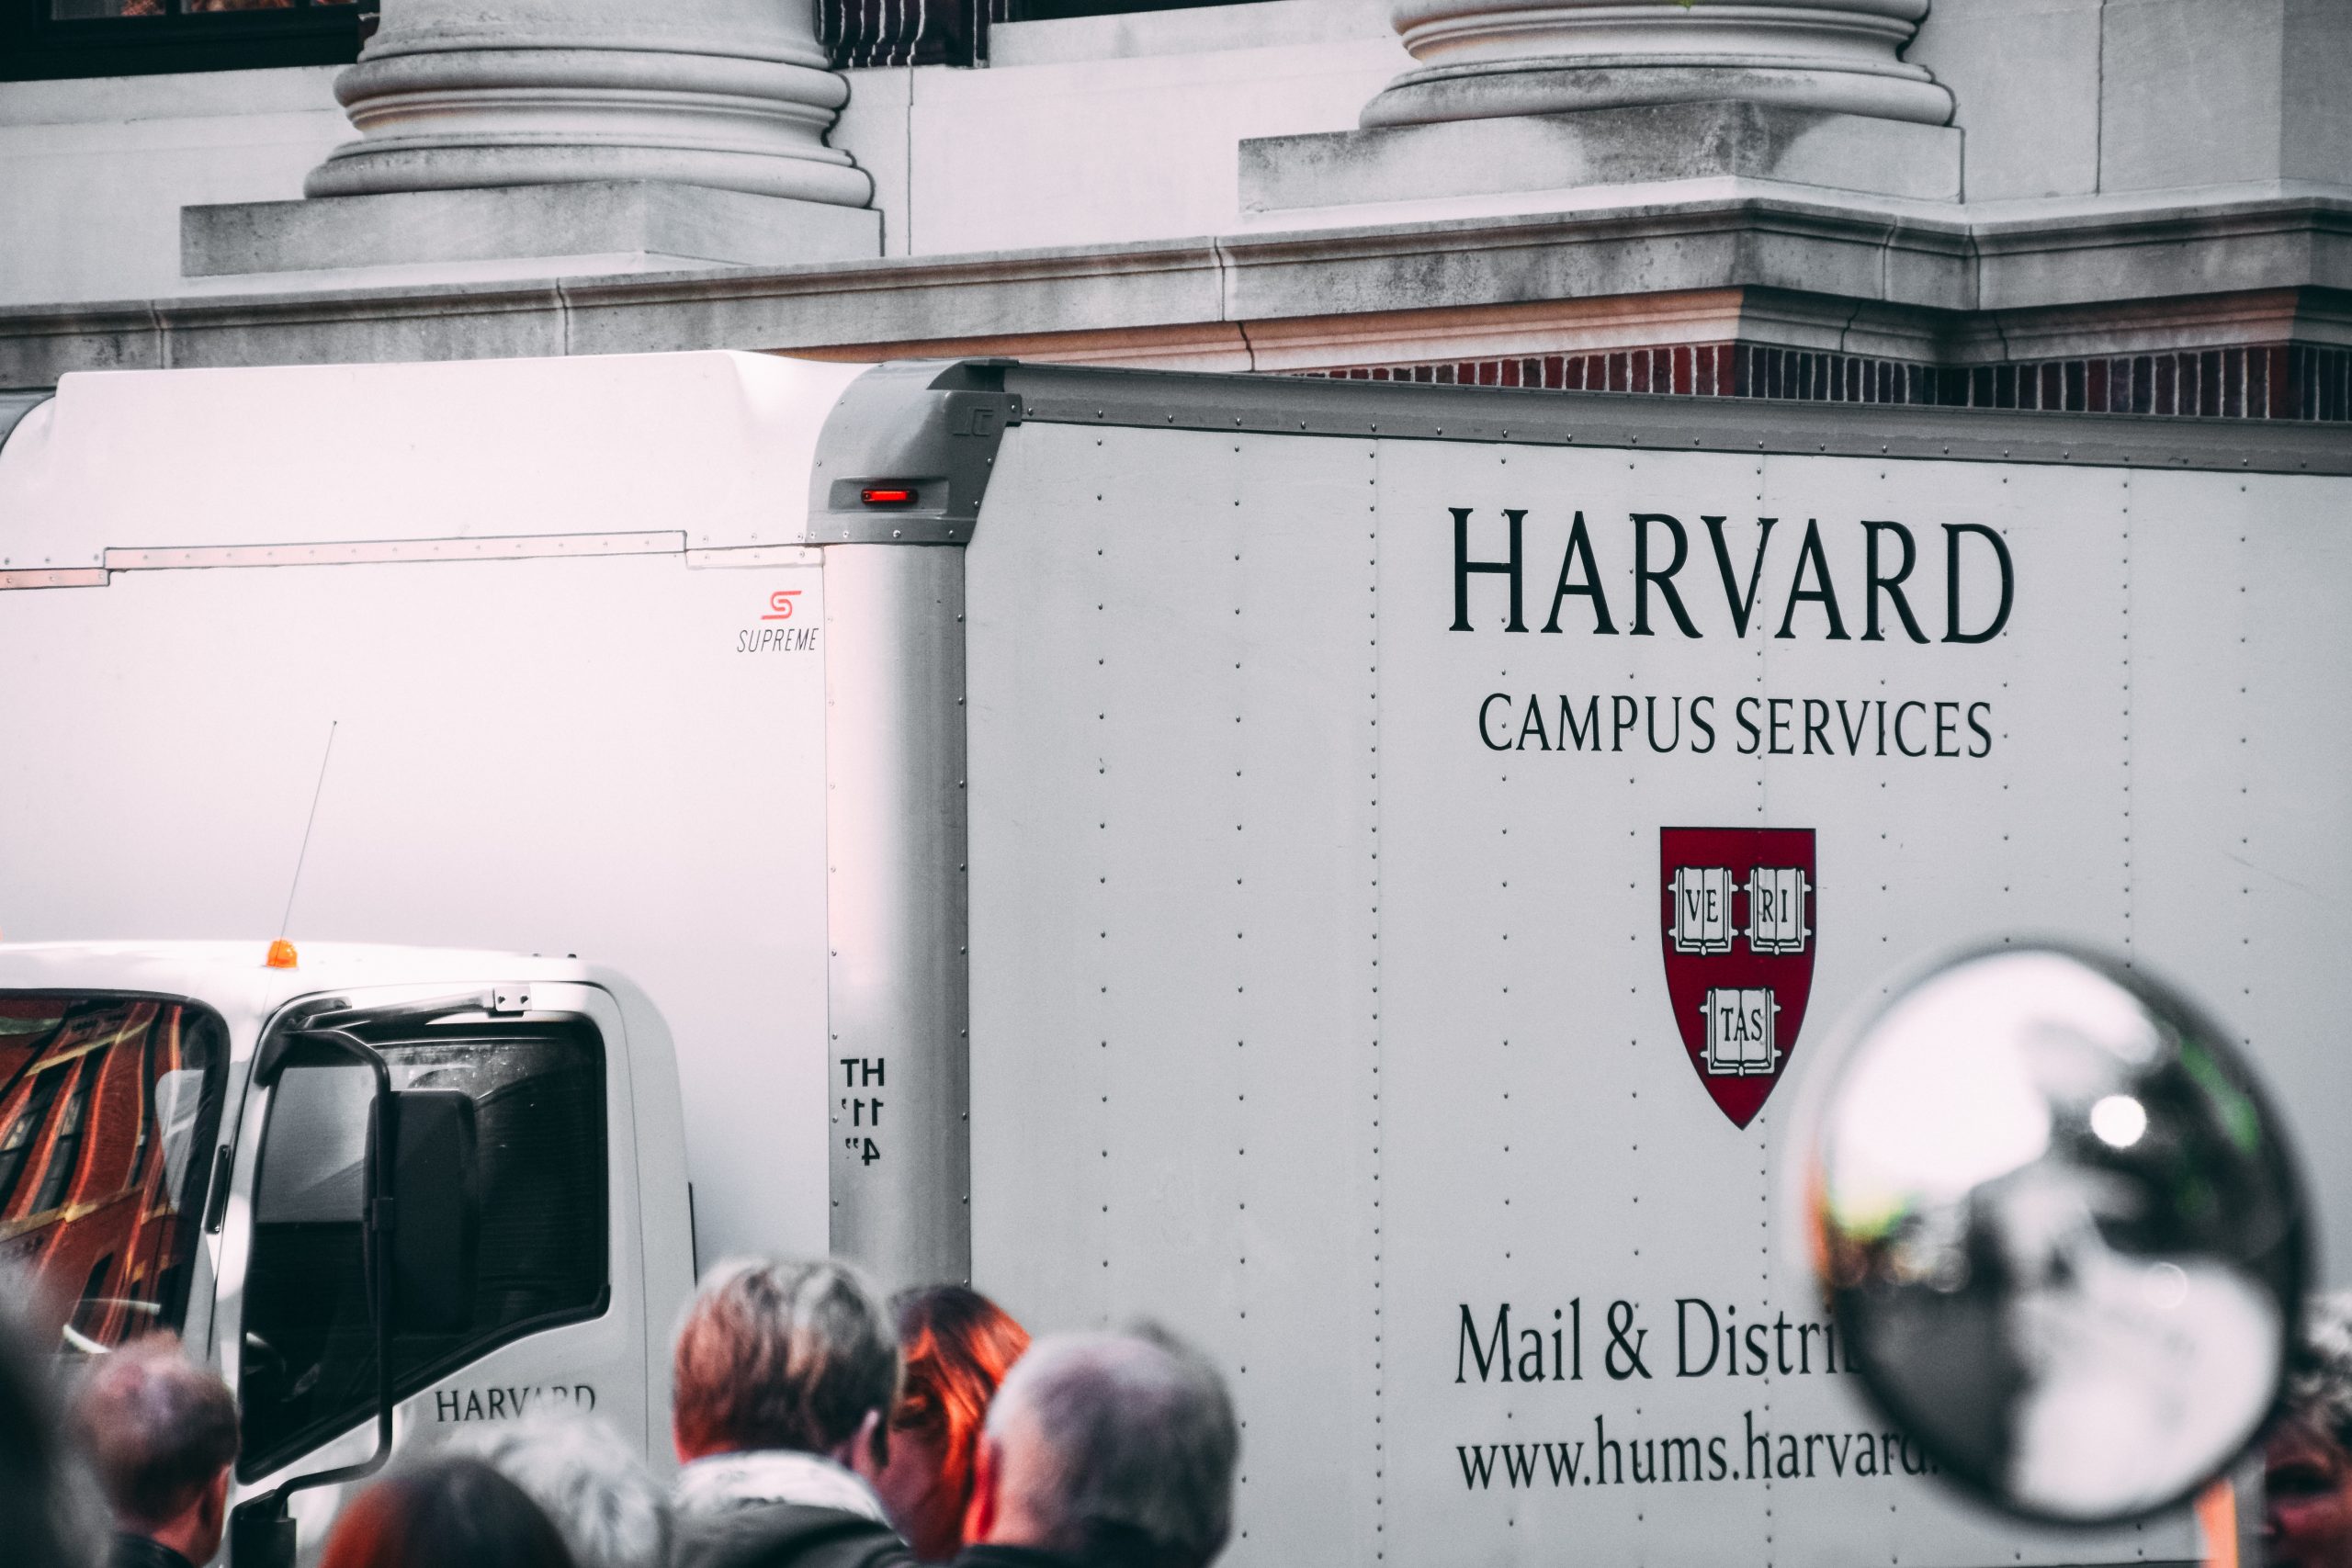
{"type": "Point", "coordinates": [264, 1534]}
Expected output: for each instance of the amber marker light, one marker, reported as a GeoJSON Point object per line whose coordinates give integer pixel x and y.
{"type": "Point", "coordinates": [281, 955]}
{"type": "Point", "coordinates": [887, 495]}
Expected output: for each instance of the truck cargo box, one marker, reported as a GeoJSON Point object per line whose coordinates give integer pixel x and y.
{"type": "Point", "coordinates": [1355, 871]}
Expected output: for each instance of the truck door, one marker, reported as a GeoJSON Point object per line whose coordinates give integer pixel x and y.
{"type": "Point", "coordinates": [552, 1319]}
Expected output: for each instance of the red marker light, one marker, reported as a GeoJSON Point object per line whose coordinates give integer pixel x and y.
{"type": "Point", "coordinates": [887, 495]}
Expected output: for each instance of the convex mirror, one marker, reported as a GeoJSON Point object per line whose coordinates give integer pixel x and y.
{"type": "Point", "coordinates": [2055, 1220]}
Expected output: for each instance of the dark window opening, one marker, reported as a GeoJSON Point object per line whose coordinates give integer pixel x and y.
{"type": "Point", "coordinates": [308, 1359]}
{"type": "Point", "coordinates": [65, 1148]}
{"type": "Point", "coordinates": [146, 1097]}
{"type": "Point", "coordinates": [860, 33]}
{"type": "Point", "coordinates": [1051, 10]}
{"type": "Point", "coordinates": [51, 39]}
{"type": "Point", "coordinates": [90, 1309]}
{"type": "Point", "coordinates": [25, 1131]}
{"type": "Point", "coordinates": [82, 10]}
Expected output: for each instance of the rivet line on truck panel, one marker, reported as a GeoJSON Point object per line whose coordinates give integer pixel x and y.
{"type": "Point", "coordinates": [1380, 1381]}
{"type": "Point", "coordinates": [55, 576]}
{"type": "Point", "coordinates": [374, 551]}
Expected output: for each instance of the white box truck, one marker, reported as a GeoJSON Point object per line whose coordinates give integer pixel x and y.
{"type": "Point", "coordinates": [1347, 869]}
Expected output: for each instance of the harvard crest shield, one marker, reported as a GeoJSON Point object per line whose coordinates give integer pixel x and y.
{"type": "Point", "coordinates": [1738, 934]}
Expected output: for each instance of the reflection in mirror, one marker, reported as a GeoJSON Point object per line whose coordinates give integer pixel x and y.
{"type": "Point", "coordinates": [314, 1169]}
{"type": "Point", "coordinates": [179, 1096]}
{"type": "Point", "coordinates": [2058, 1228]}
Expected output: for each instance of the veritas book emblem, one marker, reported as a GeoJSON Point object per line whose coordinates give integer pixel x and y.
{"type": "Point", "coordinates": [1739, 909]}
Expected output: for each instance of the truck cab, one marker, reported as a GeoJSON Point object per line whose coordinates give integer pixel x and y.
{"type": "Point", "coordinates": [185, 1147]}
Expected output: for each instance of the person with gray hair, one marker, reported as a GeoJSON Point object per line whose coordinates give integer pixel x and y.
{"type": "Point", "coordinates": [1106, 1451]}
{"type": "Point", "coordinates": [782, 1382]}
{"type": "Point", "coordinates": [161, 1433]}
{"type": "Point", "coordinates": [605, 1504]}
{"type": "Point", "coordinates": [2307, 1462]}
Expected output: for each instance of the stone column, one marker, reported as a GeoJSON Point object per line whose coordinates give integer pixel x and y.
{"type": "Point", "coordinates": [462, 94]}
{"type": "Point", "coordinates": [585, 136]}
{"type": "Point", "coordinates": [1489, 59]}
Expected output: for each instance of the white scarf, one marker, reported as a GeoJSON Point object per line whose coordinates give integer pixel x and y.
{"type": "Point", "coordinates": [720, 1484]}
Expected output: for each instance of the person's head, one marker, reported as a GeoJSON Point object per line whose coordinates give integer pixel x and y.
{"type": "Point", "coordinates": [161, 1433]}
{"type": "Point", "coordinates": [608, 1508]}
{"type": "Point", "coordinates": [954, 1345]}
{"type": "Point", "coordinates": [447, 1510]}
{"type": "Point", "coordinates": [775, 1355]}
{"type": "Point", "coordinates": [2307, 1463]}
{"type": "Point", "coordinates": [1110, 1448]}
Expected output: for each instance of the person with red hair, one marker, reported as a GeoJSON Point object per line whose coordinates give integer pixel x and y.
{"type": "Point", "coordinates": [955, 1347]}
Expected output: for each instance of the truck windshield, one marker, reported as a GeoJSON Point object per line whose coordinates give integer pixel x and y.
{"type": "Point", "coordinates": [307, 1366]}
{"type": "Point", "coordinates": [107, 1104]}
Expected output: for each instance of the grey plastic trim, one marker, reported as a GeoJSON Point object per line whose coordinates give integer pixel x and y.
{"type": "Point", "coordinates": [14, 406]}
{"type": "Point", "coordinates": [898, 984]}
{"type": "Point", "coordinates": [1412, 411]}
{"type": "Point", "coordinates": [936, 426]}
{"type": "Point", "coordinates": [362, 552]}
{"type": "Point", "coordinates": [898, 980]}
{"type": "Point", "coordinates": [932, 426]}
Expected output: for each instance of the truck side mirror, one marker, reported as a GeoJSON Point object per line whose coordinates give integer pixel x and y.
{"type": "Point", "coordinates": [425, 1202]}
{"type": "Point", "coordinates": [437, 1203]}
{"type": "Point", "coordinates": [2055, 1216]}
{"type": "Point", "coordinates": [261, 1534]}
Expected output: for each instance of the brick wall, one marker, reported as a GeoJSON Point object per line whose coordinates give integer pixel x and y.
{"type": "Point", "coordinates": [2278, 381]}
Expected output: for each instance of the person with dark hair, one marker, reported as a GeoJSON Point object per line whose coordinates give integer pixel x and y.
{"type": "Point", "coordinates": [783, 1380]}
{"type": "Point", "coordinates": [50, 1512]}
{"type": "Point", "coordinates": [954, 1346]}
{"type": "Point", "coordinates": [1106, 1451]}
{"type": "Point", "coordinates": [449, 1512]}
{"type": "Point", "coordinates": [161, 1433]}
{"type": "Point", "coordinates": [592, 1486]}
{"type": "Point", "coordinates": [2307, 1463]}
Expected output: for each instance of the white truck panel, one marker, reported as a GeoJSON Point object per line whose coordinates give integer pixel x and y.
{"type": "Point", "coordinates": [1319, 998]}
{"type": "Point", "coordinates": [1175, 930]}
{"type": "Point", "coordinates": [1550, 1148]}
{"type": "Point", "coordinates": [718, 444]}
{"type": "Point", "coordinates": [1472, 935]}
{"type": "Point", "coordinates": [549, 755]}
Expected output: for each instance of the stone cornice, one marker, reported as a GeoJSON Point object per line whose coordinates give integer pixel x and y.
{"type": "Point", "coordinates": [2220, 247]}
{"type": "Point", "coordinates": [1179, 299]}
{"type": "Point", "coordinates": [1736, 241]}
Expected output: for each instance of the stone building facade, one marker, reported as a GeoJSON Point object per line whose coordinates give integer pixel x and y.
{"type": "Point", "coordinates": [2138, 207]}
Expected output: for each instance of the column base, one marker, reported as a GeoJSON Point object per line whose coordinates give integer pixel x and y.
{"type": "Point", "coordinates": [1652, 143]}
{"type": "Point", "coordinates": [683, 224]}
{"type": "Point", "coordinates": [1488, 91]}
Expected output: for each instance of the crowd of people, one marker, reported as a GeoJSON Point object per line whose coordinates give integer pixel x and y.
{"type": "Point", "coordinates": [815, 1425]}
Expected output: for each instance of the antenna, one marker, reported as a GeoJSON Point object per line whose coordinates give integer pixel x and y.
{"type": "Point", "coordinates": [317, 790]}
